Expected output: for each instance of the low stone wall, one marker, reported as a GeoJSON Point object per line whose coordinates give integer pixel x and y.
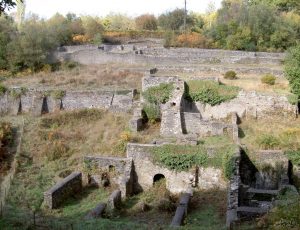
{"type": "Point", "coordinates": [114, 200]}
{"type": "Point", "coordinates": [107, 163]}
{"type": "Point", "coordinates": [176, 182]}
{"type": "Point", "coordinates": [37, 101]}
{"type": "Point", "coordinates": [72, 184]}
{"type": "Point", "coordinates": [151, 81]}
{"type": "Point", "coordinates": [249, 104]}
{"type": "Point", "coordinates": [145, 54]}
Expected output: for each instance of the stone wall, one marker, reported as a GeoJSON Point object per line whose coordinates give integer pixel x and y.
{"type": "Point", "coordinates": [246, 104]}
{"type": "Point", "coordinates": [122, 168]}
{"type": "Point", "coordinates": [72, 184]}
{"type": "Point", "coordinates": [171, 116]}
{"type": "Point", "coordinates": [152, 81]}
{"type": "Point", "coordinates": [176, 182]}
{"type": "Point", "coordinates": [37, 101]}
{"type": "Point", "coordinates": [93, 55]}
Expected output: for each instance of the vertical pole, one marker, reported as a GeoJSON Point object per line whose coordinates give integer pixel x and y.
{"type": "Point", "coordinates": [184, 23]}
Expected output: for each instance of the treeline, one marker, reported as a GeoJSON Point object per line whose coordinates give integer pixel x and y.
{"type": "Point", "coordinates": [252, 25]}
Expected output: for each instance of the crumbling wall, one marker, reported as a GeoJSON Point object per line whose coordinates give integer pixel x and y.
{"type": "Point", "coordinates": [249, 104]}
{"type": "Point", "coordinates": [171, 116]}
{"type": "Point", "coordinates": [176, 182]}
{"type": "Point", "coordinates": [37, 101]}
{"type": "Point", "coordinates": [63, 189]}
{"type": "Point", "coordinates": [151, 81]}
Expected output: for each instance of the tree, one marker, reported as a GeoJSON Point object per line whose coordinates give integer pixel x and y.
{"type": "Point", "coordinates": [292, 69]}
{"type": "Point", "coordinates": [6, 5]}
{"type": "Point", "coordinates": [146, 22]}
{"type": "Point", "coordinates": [174, 20]}
{"type": "Point", "coordinates": [7, 31]}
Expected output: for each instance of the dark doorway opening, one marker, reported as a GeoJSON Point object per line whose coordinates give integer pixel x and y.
{"type": "Point", "coordinates": [157, 178]}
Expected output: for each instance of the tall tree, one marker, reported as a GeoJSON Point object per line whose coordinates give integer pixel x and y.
{"type": "Point", "coordinates": [6, 5]}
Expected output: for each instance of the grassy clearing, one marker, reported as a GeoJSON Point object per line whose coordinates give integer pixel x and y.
{"type": "Point", "coordinates": [270, 133]}
{"type": "Point", "coordinates": [208, 210]}
{"type": "Point", "coordinates": [106, 77]}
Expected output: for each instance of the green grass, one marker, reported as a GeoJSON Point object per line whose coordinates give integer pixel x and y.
{"type": "Point", "coordinates": [205, 219]}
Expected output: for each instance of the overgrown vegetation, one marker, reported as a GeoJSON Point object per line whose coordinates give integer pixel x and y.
{"type": "Point", "coordinates": [209, 92]}
{"type": "Point", "coordinates": [152, 112]}
{"type": "Point", "coordinates": [184, 157]}
{"type": "Point", "coordinates": [292, 69]}
{"type": "Point", "coordinates": [268, 79]}
{"type": "Point", "coordinates": [158, 94]}
{"type": "Point", "coordinates": [268, 141]}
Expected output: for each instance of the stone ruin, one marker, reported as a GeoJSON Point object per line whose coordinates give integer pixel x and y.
{"type": "Point", "coordinates": [41, 101]}
{"type": "Point", "coordinates": [251, 191]}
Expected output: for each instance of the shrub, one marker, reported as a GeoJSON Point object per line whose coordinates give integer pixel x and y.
{"type": "Point", "coordinates": [293, 99]}
{"type": "Point", "coordinates": [268, 79]}
{"type": "Point", "coordinates": [192, 40]}
{"type": "Point", "coordinates": [169, 39]}
{"type": "Point", "coordinates": [231, 75]}
{"type": "Point", "coordinates": [294, 157]}
{"type": "Point", "coordinates": [158, 94]}
{"type": "Point", "coordinates": [292, 69]}
{"type": "Point", "coordinates": [152, 112]}
{"type": "Point", "coordinates": [58, 94]}
{"type": "Point", "coordinates": [228, 164]}
{"type": "Point", "coordinates": [6, 133]}
{"type": "Point", "coordinates": [209, 92]}
{"type": "Point", "coordinates": [180, 158]}
{"type": "Point", "coordinates": [268, 141]}
{"type": "Point", "coordinates": [3, 89]}
{"type": "Point", "coordinates": [56, 150]}
{"type": "Point", "coordinates": [17, 93]}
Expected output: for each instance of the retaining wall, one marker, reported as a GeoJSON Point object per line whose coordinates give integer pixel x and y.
{"type": "Point", "coordinates": [72, 184]}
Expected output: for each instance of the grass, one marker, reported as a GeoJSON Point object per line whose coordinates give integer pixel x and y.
{"type": "Point", "coordinates": [208, 209]}
{"type": "Point", "coordinates": [272, 133]}
{"type": "Point", "coordinates": [105, 77]}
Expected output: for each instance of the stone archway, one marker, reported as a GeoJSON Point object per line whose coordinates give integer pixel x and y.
{"type": "Point", "coordinates": [158, 177]}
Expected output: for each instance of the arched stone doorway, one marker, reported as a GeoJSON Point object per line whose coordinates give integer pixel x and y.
{"type": "Point", "coordinates": [158, 177]}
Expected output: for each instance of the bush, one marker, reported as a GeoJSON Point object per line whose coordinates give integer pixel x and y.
{"type": "Point", "coordinates": [228, 164]}
{"type": "Point", "coordinates": [293, 99]}
{"type": "Point", "coordinates": [152, 112]}
{"type": "Point", "coordinates": [3, 89]}
{"type": "Point", "coordinates": [294, 157]}
{"type": "Point", "coordinates": [209, 92]}
{"type": "Point", "coordinates": [231, 75]}
{"type": "Point", "coordinates": [158, 94]}
{"type": "Point", "coordinates": [6, 133]}
{"type": "Point", "coordinates": [268, 141]}
{"type": "Point", "coordinates": [292, 69]}
{"type": "Point", "coordinates": [169, 39]}
{"type": "Point", "coordinates": [192, 40]}
{"type": "Point", "coordinates": [268, 79]}
{"type": "Point", "coordinates": [56, 150]}
{"type": "Point", "coordinates": [180, 158]}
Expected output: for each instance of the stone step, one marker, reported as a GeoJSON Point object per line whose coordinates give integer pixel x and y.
{"type": "Point", "coordinates": [251, 210]}
{"type": "Point", "coordinates": [263, 191]}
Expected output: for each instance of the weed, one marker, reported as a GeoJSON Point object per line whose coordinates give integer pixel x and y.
{"type": "Point", "coordinates": [152, 112]}
{"type": "Point", "coordinates": [231, 75]}
{"type": "Point", "coordinates": [268, 141]}
{"type": "Point", "coordinates": [158, 94]}
{"type": "Point", "coordinates": [3, 89]}
{"type": "Point", "coordinates": [268, 79]}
